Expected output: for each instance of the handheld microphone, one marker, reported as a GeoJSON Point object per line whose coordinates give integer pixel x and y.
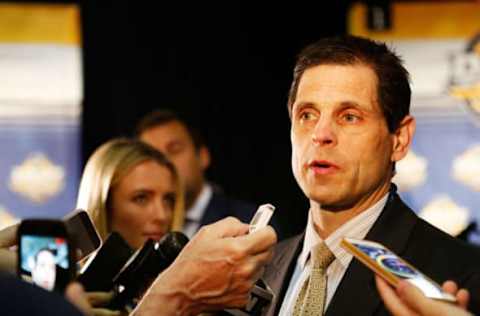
{"type": "Point", "coordinates": [143, 267]}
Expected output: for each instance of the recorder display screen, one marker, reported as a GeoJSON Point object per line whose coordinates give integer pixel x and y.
{"type": "Point", "coordinates": [390, 262]}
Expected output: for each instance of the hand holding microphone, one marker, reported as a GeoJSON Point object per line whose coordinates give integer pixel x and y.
{"type": "Point", "coordinates": [216, 269]}
{"type": "Point", "coordinates": [126, 274]}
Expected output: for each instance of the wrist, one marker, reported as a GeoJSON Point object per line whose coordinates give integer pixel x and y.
{"type": "Point", "coordinates": [169, 295]}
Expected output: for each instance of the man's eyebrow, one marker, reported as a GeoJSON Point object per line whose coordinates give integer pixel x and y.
{"type": "Point", "coordinates": [350, 104]}
{"type": "Point", "coordinates": [344, 104]}
{"type": "Point", "coordinates": [175, 142]}
{"type": "Point", "coordinates": [302, 104]}
{"type": "Point", "coordinates": [356, 105]}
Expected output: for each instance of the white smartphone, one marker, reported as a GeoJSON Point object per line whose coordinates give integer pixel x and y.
{"type": "Point", "coordinates": [392, 268]}
{"type": "Point", "coordinates": [261, 218]}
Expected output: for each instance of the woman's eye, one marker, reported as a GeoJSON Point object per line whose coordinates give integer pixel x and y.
{"type": "Point", "coordinates": [140, 199]}
{"type": "Point", "coordinates": [170, 200]}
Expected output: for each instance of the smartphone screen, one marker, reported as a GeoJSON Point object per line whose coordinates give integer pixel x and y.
{"type": "Point", "coordinates": [384, 260]}
{"type": "Point", "coordinates": [44, 261]}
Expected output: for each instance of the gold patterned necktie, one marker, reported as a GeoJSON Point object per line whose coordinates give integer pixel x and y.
{"type": "Point", "coordinates": [311, 298]}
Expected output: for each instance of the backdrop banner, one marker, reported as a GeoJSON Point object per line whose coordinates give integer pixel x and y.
{"type": "Point", "coordinates": [40, 105]}
{"type": "Point", "coordinates": [440, 44]}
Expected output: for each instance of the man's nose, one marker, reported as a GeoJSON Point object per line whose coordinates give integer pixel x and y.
{"type": "Point", "coordinates": [324, 133]}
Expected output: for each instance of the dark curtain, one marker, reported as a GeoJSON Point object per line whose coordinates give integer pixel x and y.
{"type": "Point", "coordinates": [226, 66]}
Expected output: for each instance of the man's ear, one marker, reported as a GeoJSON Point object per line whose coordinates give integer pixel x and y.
{"type": "Point", "coordinates": [204, 155]}
{"type": "Point", "coordinates": [402, 138]}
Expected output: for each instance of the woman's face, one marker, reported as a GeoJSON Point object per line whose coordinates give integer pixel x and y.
{"type": "Point", "coordinates": [142, 203]}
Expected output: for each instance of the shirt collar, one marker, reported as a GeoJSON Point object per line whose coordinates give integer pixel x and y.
{"type": "Point", "coordinates": [195, 213]}
{"type": "Point", "coordinates": [356, 227]}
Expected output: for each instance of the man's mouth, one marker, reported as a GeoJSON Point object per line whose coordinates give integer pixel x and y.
{"type": "Point", "coordinates": [323, 167]}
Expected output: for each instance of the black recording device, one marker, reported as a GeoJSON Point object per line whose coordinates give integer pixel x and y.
{"type": "Point", "coordinates": [45, 254]}
{"type": "Point", "coordinates": [143, 267]}
{"type": "Point", "coordinates": [82, 232]}
{"type": "Point", "coordinates": [100, 270]}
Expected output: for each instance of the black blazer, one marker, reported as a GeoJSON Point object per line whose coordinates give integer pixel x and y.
{"type": "Point", "coordinates": [221, 206]}
{"type": "Point", "coordinates": [432, 251]}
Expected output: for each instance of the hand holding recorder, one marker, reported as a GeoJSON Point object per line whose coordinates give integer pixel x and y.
{"type": "Point", "coordinates": [394, 269]}
{"type": "Point", "coordinates": [407, 300]}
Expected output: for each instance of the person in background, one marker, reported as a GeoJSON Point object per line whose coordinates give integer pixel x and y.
{"type": "Point", "coordinates": [185, 147]}
{"type": "Point", "coordinates": [131, 188]}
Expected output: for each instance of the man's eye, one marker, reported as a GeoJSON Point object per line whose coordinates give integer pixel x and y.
{"type": "Point", "coordinates": [351, 118]}
{"type": "Point", "coordinates": [175, 149]}
{"type": "Point", "coordinates": [307, 116]}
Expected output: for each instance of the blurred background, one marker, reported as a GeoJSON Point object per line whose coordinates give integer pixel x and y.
{"type": "Point", "coordinates": [75, 74]}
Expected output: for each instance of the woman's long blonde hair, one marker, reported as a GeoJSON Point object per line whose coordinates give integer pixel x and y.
{"type": "Point", "coordinates": [107, 166]}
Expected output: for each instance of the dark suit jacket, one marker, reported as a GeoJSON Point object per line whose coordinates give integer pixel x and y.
{"type": "Point", "coordinates": [18, 298]}
{"type": "Point", "coordinates": [433, 252]}
{"type": "Point", "coordinates": [221, 206]}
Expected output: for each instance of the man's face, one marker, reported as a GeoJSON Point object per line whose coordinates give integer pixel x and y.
{"type": "Point", "coordinates": [342, 151]}
{"type": "Point", "coordinates": [44, 271]}
{"type": "Point", "coordinates": [175, 142]}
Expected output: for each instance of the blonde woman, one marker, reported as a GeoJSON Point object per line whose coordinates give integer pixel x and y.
{"type": "Point", "coordinates": [133, 189]}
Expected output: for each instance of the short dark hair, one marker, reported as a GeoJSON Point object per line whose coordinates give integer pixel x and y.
{"type": "Point", "coordinates": [393, 85]}
{"type": "Point", "coordinates": [162, 117]}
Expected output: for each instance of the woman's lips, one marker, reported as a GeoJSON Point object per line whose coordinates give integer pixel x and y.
{"type": "Point", "coordinates": [154, 236]}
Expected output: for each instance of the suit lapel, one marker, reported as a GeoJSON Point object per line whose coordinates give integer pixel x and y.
{"type": "Point", "coordinates": [278, 272]}
{"type": "Point", "coordinates": [212, 211]}
{"type": "Point", "coordinates": [392, 229]}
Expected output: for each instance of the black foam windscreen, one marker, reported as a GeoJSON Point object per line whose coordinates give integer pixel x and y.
{"type": "Point", "coordinates": [144, 266]}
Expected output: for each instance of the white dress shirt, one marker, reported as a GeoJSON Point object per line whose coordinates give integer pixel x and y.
{"type": "Point", "coordinates": [194, 215]}
{"type": "Point", "coordinates": [356, 227]}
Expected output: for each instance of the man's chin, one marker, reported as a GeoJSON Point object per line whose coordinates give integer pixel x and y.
{"type": "Point", "coordinates": [329, 202]}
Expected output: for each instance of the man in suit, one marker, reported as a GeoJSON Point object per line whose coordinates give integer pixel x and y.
{"type": "Point", "coordinates": [349, 107]}
{"type": "Point", "coordinates": [184, 146]}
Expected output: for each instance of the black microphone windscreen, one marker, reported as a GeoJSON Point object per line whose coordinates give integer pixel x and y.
{"type": "Point", "coordinates": [144, 266]}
